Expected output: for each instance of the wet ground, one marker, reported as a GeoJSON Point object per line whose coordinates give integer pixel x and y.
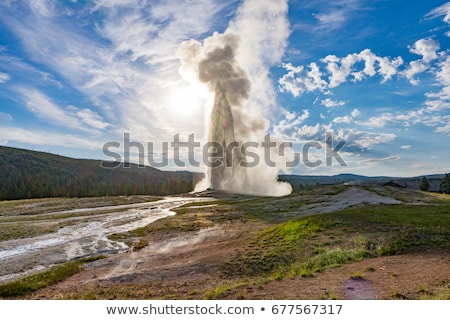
{"type": "Point", "coordinates": [186, 263]}
{"type": "Point", "coordinates": [85, 236]}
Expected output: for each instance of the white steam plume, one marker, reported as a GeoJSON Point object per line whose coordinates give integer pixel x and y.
{"type": "Point", "coordinates": [234, 65]}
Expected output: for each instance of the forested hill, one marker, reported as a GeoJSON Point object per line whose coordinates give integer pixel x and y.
{"type": "Point", "coordinates": [31, 174]}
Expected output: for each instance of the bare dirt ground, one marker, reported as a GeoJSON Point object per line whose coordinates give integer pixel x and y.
{"type": "Point", "coordinates": [413, 275]}
{"type": "Point", "coordinates": [186, 264]}
{"type": "Point", "coordinates": [187, 271]}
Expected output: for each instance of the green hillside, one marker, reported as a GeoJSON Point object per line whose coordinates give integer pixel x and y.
{"type": "Point", "coordinates": [31, 174]}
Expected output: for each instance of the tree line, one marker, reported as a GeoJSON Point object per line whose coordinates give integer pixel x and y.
{"type": "Point", "coordinates": [444, 186]}
{"type": "Point", "coordinates": [29, 174]}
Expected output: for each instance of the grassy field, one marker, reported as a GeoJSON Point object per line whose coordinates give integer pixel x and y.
{"type": "Point", "coordinates": [308, 245]}
{"type": "Point", "coordinates": [284, 242]}
{"type": "Point", "coordinates": [43, 279]}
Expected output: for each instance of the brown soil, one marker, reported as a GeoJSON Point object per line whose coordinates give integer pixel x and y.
{"type": "Point", "coordinates": [188, 266]}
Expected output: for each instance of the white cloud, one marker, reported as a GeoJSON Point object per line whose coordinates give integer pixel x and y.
{"type": "Point", "coordinates": [288, 127]}
{"type": "Point", "coordinates": [125, 68]}
{"type": "Point", "coordinates": [338, 71]}
{"type": "Point", "coordinates": [379, 121]}
{"type": "Point", "coordinates": [71, 117]}
{"type": "Point", "coordinates": [355, 113]}
{"type": "Point", "coordinates": [364, 139]}
{"type": "Point", "coordinates": [406, 147]}
{"type": "Point", "coordinates": [345, 119]}
{"type": "Point", "coordinates": [348, 118]}
{"type": "Point", "coordinates": [39, 137]}
{"type": "Point", "coordinates": [381, 160]}
{"type": "Point", "coordinates": [433, 113]}
{"type": "Point", "coordinates": [331, 103]}
{"type": "Point", "coordinates": [298, 80]}
{"type": "Point", "coordinates": [335, 14]}
{"type": "Point", "coordinates": [43, 8]}
{"type": "Point", "coordinates": [292, 130]}
{"type": "Point", "coordinates": [427, 48]}
{"type": "Point", "coordinates": [42, 106]}
{"type": "Point", "coordinates": [443, 75]}
{"type": "Point", "coordinates": [4, 77]}
{"type": "Point", "coordinates": [443, 10]}
{"type": "Point", "coordinates": [444, 129]}
{"type": "Point", "coordinates": [110, 4]}
{"type": "Point", "coordinates": [92, 119]}
{"type": "Point", "coordinates": [332, 19]}
{"type": "Point", "coordinates": [414, 68]}
{"type": "Point", "coordinates": [388, 68]}
{"type": "Point", "coordinates": [16, 67]}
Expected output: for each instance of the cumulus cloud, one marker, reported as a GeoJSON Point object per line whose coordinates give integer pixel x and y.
{"type": "Point", "coordinates": [414, 68]}
{"type": "Point", "coordinates": [332, 103]}
{"type": "Point", "coordinates": [364, 139]}
{"type": "Point", "coordinates": [334, 71]}
{"type": "Point", "coordinates": [347, 118]}
{"type": "Point", "coordinates": [427, 48]}
{"type": "Point", "coordinates": [379, 121]}
{"type": "Point", "coordinates": [297, 80]}
{"type": "Point", "coordinates": [337, 71]}
{"type": "Point", "coordinates": [292, 129]}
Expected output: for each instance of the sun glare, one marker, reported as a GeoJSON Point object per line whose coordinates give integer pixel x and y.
{"type": "Point", "coordinates": [186, 99]}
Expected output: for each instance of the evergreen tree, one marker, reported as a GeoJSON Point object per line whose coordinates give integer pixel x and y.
{"type": "Point", "coordinates": [424, 185]}
{"type": "Point", "coordinates": [445, 184]}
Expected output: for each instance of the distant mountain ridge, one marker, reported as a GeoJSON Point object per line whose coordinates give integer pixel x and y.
{"type": "Point", "coordinates": [348, 178]}
{"type": "Point", "coordinates": [33, 174]}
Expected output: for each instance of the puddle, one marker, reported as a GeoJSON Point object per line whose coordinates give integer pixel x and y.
{"type": "Point", "coordinates": [359, 289]}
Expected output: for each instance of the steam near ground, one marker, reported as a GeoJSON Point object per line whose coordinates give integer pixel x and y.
{"type": "Point", "coordinates": [221, 63]}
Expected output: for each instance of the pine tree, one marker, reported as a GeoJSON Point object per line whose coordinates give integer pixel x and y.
{"type": "Point", "coordinates": [424, 185]}
{"type": "Point", "coordinates": [445, 184]}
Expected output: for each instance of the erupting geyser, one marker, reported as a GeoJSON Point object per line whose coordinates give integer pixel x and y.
{"type": "Point", "coordinates": [222, 131]}
{"type": "Point", "coordinates": [214, 63]}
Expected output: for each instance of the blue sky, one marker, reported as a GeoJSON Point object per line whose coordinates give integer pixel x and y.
{"type": "Point", "coordinates": [75, 75]}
